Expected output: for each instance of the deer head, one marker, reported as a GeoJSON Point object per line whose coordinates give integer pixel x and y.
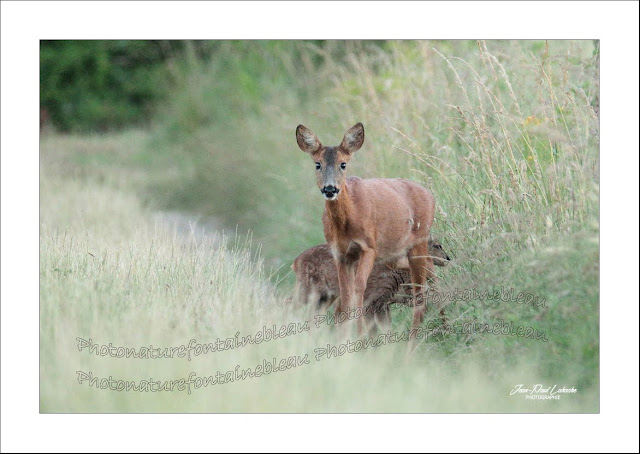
{"type": "Point", "coordinates": [331, 162]}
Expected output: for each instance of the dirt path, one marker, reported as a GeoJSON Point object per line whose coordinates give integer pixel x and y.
{"type": "Point", "coordinates": [189, 226]}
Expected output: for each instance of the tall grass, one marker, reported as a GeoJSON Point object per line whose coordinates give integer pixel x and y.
{"type": "Point", "coordinates": [111, 275]}
{"type": "Point", "coordinates": [507, 139]}
{"type": "Point", "coordinates": [505, 134]}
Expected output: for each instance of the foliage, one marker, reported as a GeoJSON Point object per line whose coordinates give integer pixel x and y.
{"type": "Point", "coordinates": [89, 85]}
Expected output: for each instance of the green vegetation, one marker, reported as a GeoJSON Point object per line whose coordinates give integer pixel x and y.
{"type": "Point", "coordinates": [93, 85]}
{"type": "Point", "coordinates": [505, 134]}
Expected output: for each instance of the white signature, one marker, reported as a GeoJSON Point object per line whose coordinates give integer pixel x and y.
{"type": "Point", "coordinates": [540, 391]}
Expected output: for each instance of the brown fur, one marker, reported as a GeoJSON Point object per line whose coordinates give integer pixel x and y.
{"type": "Point", "coordinates": [369, 221]}
{"type": "Point", "coordinates": [317, 283]}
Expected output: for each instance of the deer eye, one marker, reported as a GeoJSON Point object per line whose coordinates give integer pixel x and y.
{"type": "Point", "coordinates": [318, 165]}
{"type": "Point", "coordinates": [343, 165]}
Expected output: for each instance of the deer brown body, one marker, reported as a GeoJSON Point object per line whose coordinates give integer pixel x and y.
{"type": "Point", "coordinates": [370, 220]}
{"type": "Point", "coordinates": [317, 283]}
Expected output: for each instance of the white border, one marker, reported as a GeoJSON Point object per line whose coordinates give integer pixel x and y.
{"type": "Point", "coordinates": [615, 23]}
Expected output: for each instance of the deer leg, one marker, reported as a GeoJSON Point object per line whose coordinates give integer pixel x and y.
{"type": "Point", "coordinates": [421, 269]}
{"type": "Point", "coordinates": [377, 315]}
{"type": "Point", "coordinates": [377, 298]}
{"type": "Point", "coordinates": [432, 280]}
{"type": "Point", "coordinates": [346, 283]}
{"type": "Point", "coordinates": [363, 270]}
{"type": "Point", "coordinates": [369, 320]}
{"type": "Point", "coordinates": [383, 317]}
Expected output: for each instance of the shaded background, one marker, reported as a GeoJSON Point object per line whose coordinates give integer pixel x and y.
{"type": "Point", "coordinates": [504, 133]}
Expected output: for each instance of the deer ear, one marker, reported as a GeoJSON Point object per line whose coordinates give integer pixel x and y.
{"type": "Point", "coordinates": [307, 140]}
{"type": "Point", "coordinates": [353, 139]}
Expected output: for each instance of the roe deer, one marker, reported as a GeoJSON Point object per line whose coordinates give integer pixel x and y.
{"type": "Point", "coordinates": [317, 283]}
{"type": "Point", "coordinates": [369, 220]}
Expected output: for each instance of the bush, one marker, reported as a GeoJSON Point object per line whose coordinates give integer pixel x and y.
{"type": "Point", "coordinates": [98, 85]}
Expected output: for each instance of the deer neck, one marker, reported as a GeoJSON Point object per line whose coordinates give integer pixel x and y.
{"type": "Point", "coordinates": [340, 210]}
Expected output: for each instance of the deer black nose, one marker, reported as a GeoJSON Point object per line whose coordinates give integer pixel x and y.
{"type": "Point", "coordinates": [330, 191]}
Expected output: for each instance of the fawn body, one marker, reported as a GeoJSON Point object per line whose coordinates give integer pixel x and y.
{"type": "Point", "coordinates": [317, 283]}
{"type": "Point", "coordinates": [370, 220]}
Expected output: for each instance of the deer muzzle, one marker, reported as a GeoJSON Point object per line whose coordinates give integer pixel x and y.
{"type": "Point", "coordinates": [330, 192]}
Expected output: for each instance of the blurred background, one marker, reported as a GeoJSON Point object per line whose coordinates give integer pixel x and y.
{"type": "Point", "coordinates": [137, 136]}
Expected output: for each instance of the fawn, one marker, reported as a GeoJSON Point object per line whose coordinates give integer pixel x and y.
{"type": "Point", "coordinates": [317, 283]}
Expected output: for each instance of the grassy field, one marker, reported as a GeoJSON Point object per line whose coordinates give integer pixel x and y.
{"type": "Point", "coordinates": [505, 134]}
